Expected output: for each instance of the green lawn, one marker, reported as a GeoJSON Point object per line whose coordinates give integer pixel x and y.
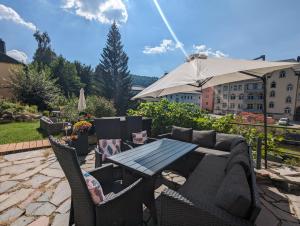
{"type": "Point", "coordinates": [20, 131]}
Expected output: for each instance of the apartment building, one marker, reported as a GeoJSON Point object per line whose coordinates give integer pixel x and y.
{"type": "Point", "coordinates": [188, 97]}
{"type": "Point", "coordinates": [207, 100]}
{"type": "Point", "coordinates": [283, 96]}
{"type": "Point", "coordinates": [239, 96]}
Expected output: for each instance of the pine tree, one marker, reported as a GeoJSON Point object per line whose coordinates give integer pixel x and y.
{"type": "Point", "coordinates": [112, 72]}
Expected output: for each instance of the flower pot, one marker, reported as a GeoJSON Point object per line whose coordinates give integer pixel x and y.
{"type": "Point", "coordinates": [81, 144]}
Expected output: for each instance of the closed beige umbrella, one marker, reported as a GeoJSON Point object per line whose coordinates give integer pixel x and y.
{"type": "Point", "coordinates": [81, 101]}
{"type": "Point", "coordinates": [203, 72]}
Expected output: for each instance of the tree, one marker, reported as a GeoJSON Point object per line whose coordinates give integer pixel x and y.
{"type": "Point", "coordinates": [112, 71]}
{"type": "Point", "coordinates": [35, 87]}
{"type": "Point", "coordinates": [43, 55]}
{"type": "Point", "coordinates": [66, 76]}
{"type": "Point", "coordinates": [86, 75]}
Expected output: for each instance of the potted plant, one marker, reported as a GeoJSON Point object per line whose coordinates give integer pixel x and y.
{"type": "Point", "coordinates": [79, 137]}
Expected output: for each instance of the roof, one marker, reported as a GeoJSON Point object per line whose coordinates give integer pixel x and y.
{"type": "Point", "coordinates": [7, 59]}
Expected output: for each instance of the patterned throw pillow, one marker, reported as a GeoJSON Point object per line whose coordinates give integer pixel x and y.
{"type": "Point", "coordinates": [109, 147]}
{"type": "Point", "coordinates": [139, 138]}
{"type": "Point", "coordinates": [94, 187]}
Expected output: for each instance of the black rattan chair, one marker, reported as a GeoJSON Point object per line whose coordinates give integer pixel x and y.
{"type": "Point", "coordinates": [123, 206]}
{"type": "Point", "coordinates": [108, 128]}
{"type": "Point", "coordinates": [134, 124]}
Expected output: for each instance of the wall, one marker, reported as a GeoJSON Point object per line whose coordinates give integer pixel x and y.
{"type": "Point", "coordinates": [6, 71]}
{"type": "Point", "coordinates": [207, 101]}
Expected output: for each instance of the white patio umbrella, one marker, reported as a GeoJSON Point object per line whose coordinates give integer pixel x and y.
{"type": "Point", "coordinates": [206, 72]}
{"type": "Point", "coordinates": [81, 102]}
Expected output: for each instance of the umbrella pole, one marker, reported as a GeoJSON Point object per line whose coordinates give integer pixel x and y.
{"type": "Point", "coordinates": [264, 79]}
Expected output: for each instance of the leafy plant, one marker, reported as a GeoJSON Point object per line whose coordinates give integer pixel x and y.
{"type": "Point", "coordinates": [164, 114]}
{"type": "Point", "coordinates": [99, 107]}
{"type": "Point", "coordinates": [35, 87]}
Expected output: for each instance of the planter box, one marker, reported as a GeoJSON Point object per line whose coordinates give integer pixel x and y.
{"type": "Point", "coordinates": [81, 145]}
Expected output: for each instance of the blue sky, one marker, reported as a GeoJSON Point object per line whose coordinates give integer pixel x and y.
{"type": "Point", "coordinates": [220, 28]}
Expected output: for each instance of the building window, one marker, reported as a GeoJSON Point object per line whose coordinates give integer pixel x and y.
{"type": "Point", "coordinates": [259, 106]}
{"type": "Point", "coordinates": [225, 96]}
{"type": "Point", "coordinates": [254, 85]}
{"type": "Point", "coordinates": [241, 97]}
{"type": "Point", "coordinates": [282, 74]}
{"type": "Point", "coordinates": [218, 100]}
{"type": "Point", "coordinates": [225, 88]}
{"type": "Point", "coordinates": [232, 97]}
{"type": "Point", "coordinates": [288, 99]}
{"type": "Point", "coordinates": [240, 87]}
{"type": "Point", "coordinates": [271, 104]}
{"type": "Point", "coordinates": [273, 84]}
{"type": "Point", "coordinates": [272, 93]}
{"type": "Point", "coordinates": [260, 96]}
{"type": "Point", "coordinates": [232, 105]}
{"type": "Point", "coordinates": [171, 96]}
{"type": "Point", "coordinates": [287, 110]}
{"type": "Point", "coordinates": [250, 106]}
{"type": "Point", "coordinates": [239, 106]}
{"type": "Point", "coordinates": [250, 97]}
{"type": "Point", "coordinates": [235, 87]}
{"type": "Point", "coordinates": [224, 105]}
{"type": "Point", "coordinates": [289, 87]}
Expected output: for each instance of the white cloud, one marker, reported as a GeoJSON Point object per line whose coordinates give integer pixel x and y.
{"type": "Point", "coordinates": [18, 55]}
{"type": "Point", "coordinates": [7, 13]}
{"type": "Point", "coordinates": [164, 46]}
{"type": "Point", "coordinates": [103, 11]}
{"type": "Point", "coordinates": [202, 49]}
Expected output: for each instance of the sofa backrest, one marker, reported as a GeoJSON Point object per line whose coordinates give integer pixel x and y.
{"type": "Point", "coordinates": [225, 142]}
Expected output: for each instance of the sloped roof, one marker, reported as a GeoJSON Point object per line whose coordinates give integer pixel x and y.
{"type": "Point", "coordinates": [7, 59]}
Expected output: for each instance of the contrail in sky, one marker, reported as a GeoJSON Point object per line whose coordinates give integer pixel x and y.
{"type": "Point", "coordinates": [178, 43]}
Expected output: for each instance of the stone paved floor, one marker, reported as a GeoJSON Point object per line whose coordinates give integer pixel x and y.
{"type": "Point", "coordinates": [34, 191]}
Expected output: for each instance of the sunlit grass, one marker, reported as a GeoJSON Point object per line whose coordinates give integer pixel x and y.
{"type": "Point", "coordinates": [20, 131]}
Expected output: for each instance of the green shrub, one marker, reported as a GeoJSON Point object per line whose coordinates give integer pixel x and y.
{"type": "Point", "coordinates": [99, 107]}
{"type": "Point", "coordinates": [164, 114]}
{"type": "Point", "coordinates": [35, 87]}
{"type": "Point", "coordinates": [95, 105]}
{"type": "Point", "coordinates": [69, 110]}
{"type": "Point", "coordinates": [16, 107]}
{"type": "Point", "coordinates": [46, 113]}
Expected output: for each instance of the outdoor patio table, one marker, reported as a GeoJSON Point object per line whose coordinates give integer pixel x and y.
{"type": "Point", "coordinates": [149, 160]}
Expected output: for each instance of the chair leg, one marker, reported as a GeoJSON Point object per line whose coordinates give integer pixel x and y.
{"type": "Point", "coordinates": [71, 218]}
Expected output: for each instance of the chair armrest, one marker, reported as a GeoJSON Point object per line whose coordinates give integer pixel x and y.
{"type": "Point", "coordinates": [104, 174]}
{"type": "Point", "coordinates": [125, 146]}
{"type": "Point", "coordinates": [151, 139]}
{"type": "Point", "coordinates": [98, 158]}
{"type": "Point", "coordinates": [166, 135]}
{"type": "Point", "coordinates": [122, 208]}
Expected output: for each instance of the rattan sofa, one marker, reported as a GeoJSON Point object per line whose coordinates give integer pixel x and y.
{"type": "Point", "coordinates": [203, 198]}
{"type": "Point", "coordinates": [51, 126]}
{"type": "Point", "coordinates": [122, 206]}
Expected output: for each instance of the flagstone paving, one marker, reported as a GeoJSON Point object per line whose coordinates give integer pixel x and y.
{"type": "Point", "coordinates": [34, 192]}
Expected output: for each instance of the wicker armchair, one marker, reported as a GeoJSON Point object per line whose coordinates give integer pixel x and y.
{"type": "Point", "coordinates": [51, 127]}
{"type": "Point", "coordinates": [135, 124]}
{"type": "Point", "coordinates": [108, 128]}
{"type": "Point", "coordinates": [122, 206]}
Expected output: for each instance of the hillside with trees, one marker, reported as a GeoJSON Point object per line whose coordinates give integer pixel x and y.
{"type": "Point", "coordinates": [140, 80]}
